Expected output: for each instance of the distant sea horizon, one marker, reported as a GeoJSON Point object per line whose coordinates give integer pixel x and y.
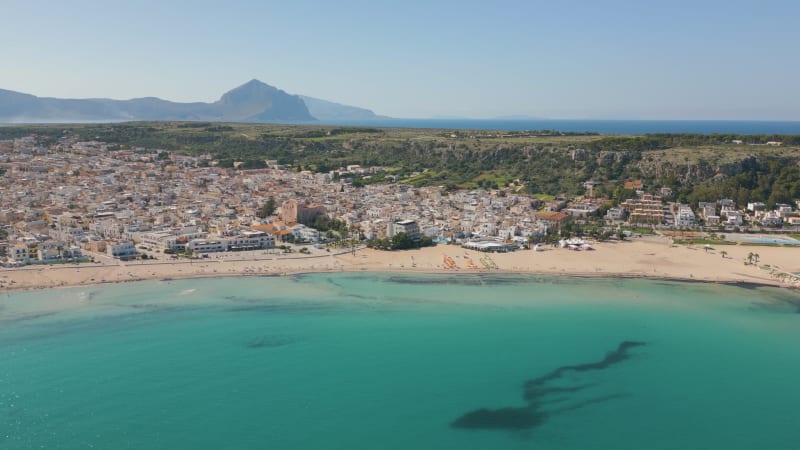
{"type": "Point", "coordinates": [589, 125]}
{"type": "Point", "coordinates": [610, 127]}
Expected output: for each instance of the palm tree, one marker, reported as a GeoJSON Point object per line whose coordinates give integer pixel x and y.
{"type": "Point", "coordinates": [750, 258]}
{"type": "Point", "coordinates": [756, 258]}
{"type": "Point", "coordinates": [724, 254]}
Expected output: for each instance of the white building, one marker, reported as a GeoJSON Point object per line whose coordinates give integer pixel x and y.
{"type": "Point", "coordinates": [431, 231]}
{"type": "Point", "coordinates": [783, 210]}
{"type": "Point", "coordinates": [18, 254]}
{"type": "Point", "coordinates": [248, 240]}
{"type": "Point", "coordinates": [735, 218]}
{"type": "Point", "coordinates": [708, 209]}
{"type": "Point", "coordinates": [122, 249]}
{"type": "Point", "coordinates": [409, 227]}
{"type": "Point", "coordinates": [615, 213]}
{"type": "Point", "coordinates": [684, 217]}
{"type": "Point", "coordinates": [487, 228]}
{"type": "Point", "coordinates": [581, 209]}
{"type": "Point", "coordinates": [174, 241]}
{"type": "Point", "coordinates": [771, 219]}
{"type": "Point", "coordinates": [207, 246]}
{"type": "Point", "coordinates": [50, 251]}
{"type": "Point", "coordinates": [304, 233]}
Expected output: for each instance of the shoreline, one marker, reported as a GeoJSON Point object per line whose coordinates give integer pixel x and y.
{"type": "Point", "coordinates": [653, 258]}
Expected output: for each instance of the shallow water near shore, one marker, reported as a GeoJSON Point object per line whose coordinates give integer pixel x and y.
{"type": "Point", "coordinates": [397, 361]}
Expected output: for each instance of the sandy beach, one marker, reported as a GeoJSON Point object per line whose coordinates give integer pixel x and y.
{"type": "Point", "coordinates": [653, 257]}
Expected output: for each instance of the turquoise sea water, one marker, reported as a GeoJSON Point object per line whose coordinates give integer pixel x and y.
{"type": "Point", "coordinates": [382, 361]}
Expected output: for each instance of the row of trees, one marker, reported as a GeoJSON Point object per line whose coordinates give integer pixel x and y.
{"type": "Point", "coordinates": [768, 180]}
{"type": "Point", "coordinates": [400, 241]}
{"type": "Point", "coordinates": [325, 224]}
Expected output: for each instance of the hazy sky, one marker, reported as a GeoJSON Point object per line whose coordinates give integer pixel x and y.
{"type": "Point", "coordinates": [726, 59]}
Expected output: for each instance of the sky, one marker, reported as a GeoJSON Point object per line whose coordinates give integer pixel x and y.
{"type": "Point", "coordinates": [672, 59]}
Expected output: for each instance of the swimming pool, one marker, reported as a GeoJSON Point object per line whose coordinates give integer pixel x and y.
{"type": "Point", "coordinates": [770, 240]}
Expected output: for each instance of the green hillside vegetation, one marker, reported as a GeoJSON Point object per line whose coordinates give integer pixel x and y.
{"type": "Point", "coordinates": [696, 167]}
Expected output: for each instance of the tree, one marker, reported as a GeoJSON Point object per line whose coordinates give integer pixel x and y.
{"type": "Point", "coordinates": [267, 209]}
{"type": "Point", "coordinates": [426, 241]}
{"type": "Point", "coordinates": [402, 241]}
{"type": "Point", "coordinates": [724, 254]}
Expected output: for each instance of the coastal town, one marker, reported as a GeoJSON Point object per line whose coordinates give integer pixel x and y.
{"type": "Point", "coordinates": [81, 200]}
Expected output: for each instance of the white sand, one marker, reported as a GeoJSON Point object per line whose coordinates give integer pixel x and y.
{"type": "Point", "coordinates": [651, 258]}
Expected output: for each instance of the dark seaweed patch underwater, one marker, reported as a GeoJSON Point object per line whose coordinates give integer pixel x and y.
{"type": "Point", "coordinates": [537, 393]}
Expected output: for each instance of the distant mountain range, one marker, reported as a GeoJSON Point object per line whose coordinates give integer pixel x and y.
{"type": "Point", "coordinates": [253, 101]}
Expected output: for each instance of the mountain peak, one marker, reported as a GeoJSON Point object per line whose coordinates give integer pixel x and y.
{"type": "Point", "coordinates": [253, 101]}
{"type": "Point", "coordinates": [256, 101]}
{"type": "Point", "coordinates": [253, 86]}
{"type": "Point", "coordinates": [255, 83]}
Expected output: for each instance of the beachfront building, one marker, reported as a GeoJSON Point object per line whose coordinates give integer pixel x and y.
{"type": "Point", "coordinates": [727, 205]}
{"type": "Point", "coordinates": [615, 214]}
{"type": "Point", "coordinates": [50, 251]}
{"type": "Point", "coordinates": [207, 245]}
{"type": "Point", "coordinates": [783, 210]}
{"type": "Point", "coordinates": [304, 233]}
{"type": "Point", "coordinates": [121, 249]}
{"type": "Point", "coordinates": [170, 241]}
{"type": "Point", "coordinates": [247, 240]}
{"type": "Point", "coordinates": [707, 209]}
{"type": "Point", "coordinates": [647, 209]}
{"type": "Point", "coordinates": [771, 219]}
{"type": "Point", "coordinates": [684, 217]}
{"type": "Point", "coordinates": [489, 245]}
{"type": "Point", "coordinates": [18, 254]}
{"type": "Point", "coordinates": [251, 240]}
{"type": "Point", "coordinates": [409, 227]}
{"type": "Point", "coordinates": [581, 209]}
{"type": "Point", "coordinates": [551, 219]}
{"type": "Point", "coordinates": [734, 218]}
{"type": "Point", "coordinates": [431, 230]}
